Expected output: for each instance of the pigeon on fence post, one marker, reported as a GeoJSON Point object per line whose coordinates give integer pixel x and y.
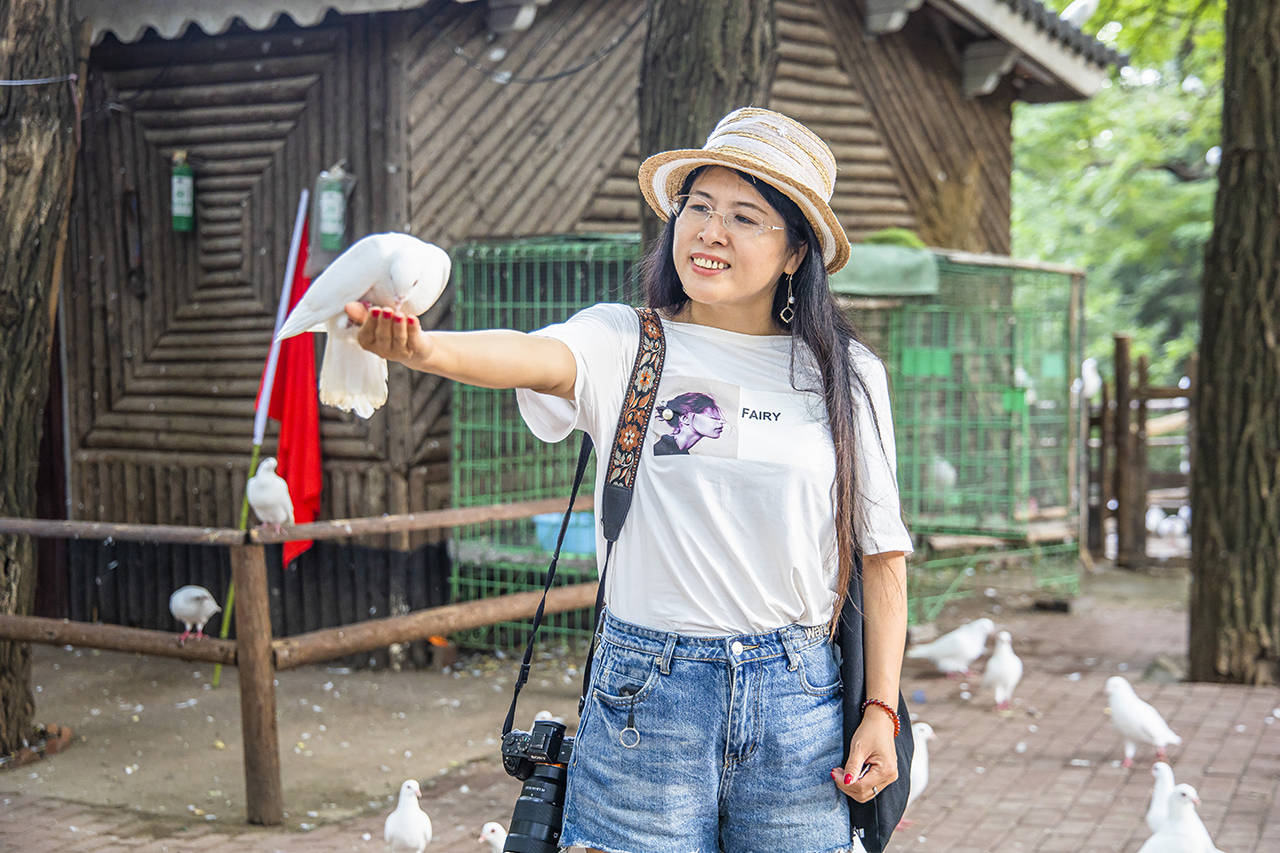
{"type": "Point", "coordinates": [269, 495]}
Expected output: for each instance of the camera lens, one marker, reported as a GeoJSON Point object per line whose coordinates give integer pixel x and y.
{"type": "Point", "coordinates": [539, 812]}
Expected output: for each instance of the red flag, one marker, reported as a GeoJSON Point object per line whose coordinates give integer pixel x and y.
{"type": "Point", "coordinates": [295, 404]}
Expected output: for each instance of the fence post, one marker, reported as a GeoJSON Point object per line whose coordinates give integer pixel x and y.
{"type": "Point", "coordinates": [263, 794]}
{"type": "Point", "coordinates": [1125, 499]}
{"type": "Point", "coordinates": [1140, 480]}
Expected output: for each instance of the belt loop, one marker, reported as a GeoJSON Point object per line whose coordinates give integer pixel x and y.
{"type": "Point", "coordinates": [664, 664]}
{"type": "Point", "coordinates": [788, 637]}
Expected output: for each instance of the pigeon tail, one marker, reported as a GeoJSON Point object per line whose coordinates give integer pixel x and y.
{"type": "Point", "coordinates": [351, 378]}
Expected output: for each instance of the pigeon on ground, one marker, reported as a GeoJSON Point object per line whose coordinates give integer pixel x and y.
{"type": "Point", "coordinates": [1172, 526]}
{"type": "Point", "coordinates": [1003, 672]}
{"type": "Point", "coordinates": [547, 715]}
{"type": "Point", "coordinates": [269, 495]}
{"type": "Point", "coordinates": [953, 652]}
{"type": "Point", "coordinates": [395, 271]}
{"type": "Point", "coordinates": [494, 835]}
{"type": "Point", "coordinates": [1137, 721]}
{"type": "Point", "coordinates": [1154, 516]}
{"type": "Point", "coordinates": [1158, 812]}
{"type": "Point", "coordinates": [921, 733]}
{"type": "Point", "coordinates": [192, 605]}
{"type": "Point", "coordinates": [408, 829]}
{"type": "Point", "coordinates": [1183, 831]}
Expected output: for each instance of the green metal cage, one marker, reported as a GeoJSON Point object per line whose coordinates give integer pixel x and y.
{"type": "Point", "coordinates": [523, 285]}
{"type": "Point", "coordinates": [980, 372]}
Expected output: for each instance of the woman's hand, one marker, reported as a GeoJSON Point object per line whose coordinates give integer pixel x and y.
{"type": "Point", "coordinates": [390, 334]}
{"type": "Point", "coordinates": [872, 746]}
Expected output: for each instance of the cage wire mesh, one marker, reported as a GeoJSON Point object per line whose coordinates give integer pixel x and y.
{"type": "Point", "coordinates": [981, 375]}
{"type": "Point", "coordinates": [524, 285]}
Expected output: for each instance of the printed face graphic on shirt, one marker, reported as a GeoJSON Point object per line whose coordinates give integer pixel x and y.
{"type": "Point", "coordinates": [693, 417]}
{"type": "Point", "coordinates": [705, 417]}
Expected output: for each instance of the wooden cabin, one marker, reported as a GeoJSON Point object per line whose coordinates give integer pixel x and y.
{"type": "Point", "coordinates": [461, 121]}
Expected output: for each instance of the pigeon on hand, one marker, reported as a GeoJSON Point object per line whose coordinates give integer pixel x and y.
{"type": "Point", "coordinates": [391, 270]}
{"type": "Point", "coordinates": [408, 829]}
{"type": "Point", "coordinates": [921, 733]}
{"type": "Point", "coordinates": [953, 652]}
{"type": "Point", "coordinates": [1137, 721]}
{"type": "Point", "coordinates": [1182, 831]}
{"type": "Point", "coordinates": [192, 605]}
{"type": "Point", "coordinates": [494, 835]}
{"type": "Point", "coordinates": [1003, 672]}
{"type": "Point", "coordinates": [269, 495]}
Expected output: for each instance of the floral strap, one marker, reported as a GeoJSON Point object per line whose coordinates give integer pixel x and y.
{"type": "Point", "coordinates": [633, 423]}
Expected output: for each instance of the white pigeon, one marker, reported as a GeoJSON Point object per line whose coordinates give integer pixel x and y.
{"type": "Point", "coordinates": [392, 270]}
{"type": "Point", "coordinates": [1137, 721]}
{"type": "Point", "coordinates": [547, 715]}
{"type": "Point", "coordinates": [1091, 378]}
{"type": "Point", "coordinates": [1079, 12]}
{"type": "Point", "coordinates": [1183, 831]}
{"type": "Point", "coordinates": [494, 835]}
{"type": "Point", "coordinates": [1003, 672]}
{"type": "Point", "coordinates": [192, 605]}
{"type": "Point", "coordinates": [408, 829]}
{"type": "Point", "coordinates": [269, 495]}
{"type": "Point", "coordinates": [1172, 526]}
{"type": "Point", "coordinates": [1158, 811]}
{"type": "Point", "coordinates": [921, 734]}
{"type": "Point", "coordinates": [954, 651]}
{"type": "Point", "coordinates": [1154, 516]}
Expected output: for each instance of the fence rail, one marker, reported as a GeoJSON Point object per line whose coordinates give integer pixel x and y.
{"type": "Point", "coordinates": [257, 655]}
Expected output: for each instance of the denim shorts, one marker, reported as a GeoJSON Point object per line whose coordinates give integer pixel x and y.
{"type": "Point", "coordinates": [703, 744]}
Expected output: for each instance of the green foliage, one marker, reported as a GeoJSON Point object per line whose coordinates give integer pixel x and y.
{"type": "Point", "coordinates": [1123, 184]}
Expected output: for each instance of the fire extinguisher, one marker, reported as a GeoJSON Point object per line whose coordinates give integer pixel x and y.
{"type": "Point", "coordinates": [331, 202]}
{"type": "Point", "coordinates": [182, 186]}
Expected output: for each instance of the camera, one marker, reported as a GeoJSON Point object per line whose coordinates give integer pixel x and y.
{"type": "Point", "coordinates": [540, 758]}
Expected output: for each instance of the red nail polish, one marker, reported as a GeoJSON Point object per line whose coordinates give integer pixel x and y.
{"type": "Point", "coordinates": [398, 318]}
{"type": "Point", "coordinates": [848, 778]}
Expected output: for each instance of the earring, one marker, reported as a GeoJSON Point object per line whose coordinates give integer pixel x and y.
{"type": "Point", "coordinates": [787, 314]}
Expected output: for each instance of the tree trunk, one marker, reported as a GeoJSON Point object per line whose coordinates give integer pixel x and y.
{"type": "Point", "coordinates": [702, 58]}
{"type": "Point", "coordinates": [38, 141]}
{"type": "Point", "coordinates": [1235, 483]}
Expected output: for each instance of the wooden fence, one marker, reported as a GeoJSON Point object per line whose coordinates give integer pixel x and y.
{"type": "Point", "coordinates": [1122, 432]}
{"type": "Point", "coordinates": [255, 651]}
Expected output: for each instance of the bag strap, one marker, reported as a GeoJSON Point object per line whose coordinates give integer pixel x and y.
{"type": "Point", "coordinates": [624, 460]}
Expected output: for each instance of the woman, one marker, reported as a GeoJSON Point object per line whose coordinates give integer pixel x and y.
{"type": "Point", "coordinates": [714, 717]}
{"type": "Point", "coordinates": [691, 417]}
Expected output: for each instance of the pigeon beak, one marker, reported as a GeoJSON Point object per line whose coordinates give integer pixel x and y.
{"type": "Point", "coordinates": [1195, 800]}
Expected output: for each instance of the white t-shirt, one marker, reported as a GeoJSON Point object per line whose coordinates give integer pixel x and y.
{"type": "Point", "coordinates": [732, 521]}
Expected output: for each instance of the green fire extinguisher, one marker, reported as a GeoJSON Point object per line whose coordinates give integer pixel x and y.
{"type": "Point", "coordinates": [182, 184]}
{"type": "Point", "coordinates": [331, 202]}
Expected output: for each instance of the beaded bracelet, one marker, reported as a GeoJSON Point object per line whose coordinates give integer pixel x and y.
{"type": "Point", "coordinates": [888, 709]}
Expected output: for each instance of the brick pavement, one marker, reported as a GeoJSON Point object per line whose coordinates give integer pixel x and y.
{"type": "Point", "coordinates": [1044, 778]}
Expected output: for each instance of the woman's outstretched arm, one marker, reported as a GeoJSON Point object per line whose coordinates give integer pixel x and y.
{"type": "Point", "coordinates": [497, 358]}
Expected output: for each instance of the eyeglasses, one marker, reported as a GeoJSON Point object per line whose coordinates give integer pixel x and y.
{"type": "Point", "coordinates": [694, 209]}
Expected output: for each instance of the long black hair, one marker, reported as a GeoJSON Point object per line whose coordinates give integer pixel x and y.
{"type": "Point", "coordinates": [818, 324]}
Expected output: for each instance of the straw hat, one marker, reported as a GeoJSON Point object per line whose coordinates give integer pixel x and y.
{"type": "Point", "coordinates": [779, 150]}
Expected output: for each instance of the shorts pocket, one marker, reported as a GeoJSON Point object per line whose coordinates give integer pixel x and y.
{"type": "Point", "coordinates": [819, 672]}
{"type": "Point", "coordinates": [625, 676]}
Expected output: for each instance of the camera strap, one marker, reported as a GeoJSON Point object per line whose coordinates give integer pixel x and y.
{"type": "Point", "coordinates": [624, 461]}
